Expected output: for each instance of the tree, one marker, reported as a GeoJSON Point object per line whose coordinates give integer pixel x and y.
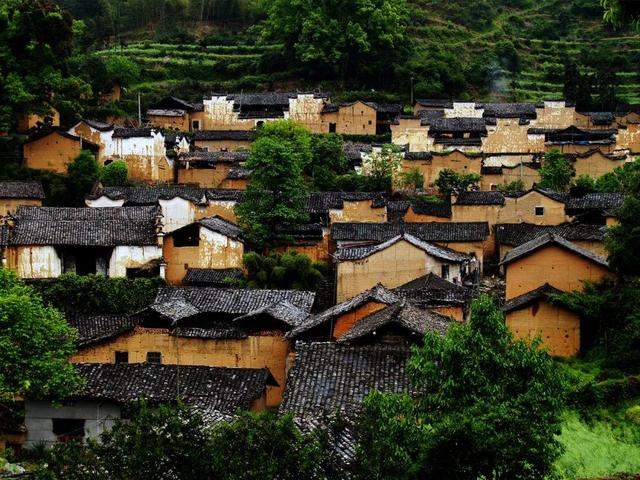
{"type": "Point", "coordinates": [382, 165]}
{"type": "Point", "coordinates": [327, 162]}
{"type": "Point", "coordinates": [36, 40]}
{"type": "Point", "coordinates": [556, 172]}
{"type": "Point", "coordinates": [277, 192]}
{"type": "Point", "coordinates": [492, 405]}
{"type": "Point", "coordinates": [624, 179]}
{"type": "Point", "coordinates": [411, 179]}
{"type": "Point", "coordinates": [512, 187]}
{"type": "Point", "coordinates": [35, 344]}
{"type": "Point", "coordinates": [114, 174]}
{"type": "Point", "coordinates": [618, 13]}
{"type": "Point", "coordinates": [450, 181]}
{"type": "Point", "coordinates": [350, 39]}
{"type": "Point", "coordinates": [289, 270]}
{"type": "Point", "coordinates": [582, 185]}
{"type": "Point", "coordinates": [623, 240]}
{"type": "Point", "coordinates": [82, 174]}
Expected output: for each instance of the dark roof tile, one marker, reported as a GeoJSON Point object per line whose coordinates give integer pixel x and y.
{"type": "Point", "coordinates": [211, 276]}
{"type": "Point", "coordinates": [427, 232]}
{"type": "Point", "coordinates": [20, 190]}
{"type": "Point", "coordinates": [521, 301]}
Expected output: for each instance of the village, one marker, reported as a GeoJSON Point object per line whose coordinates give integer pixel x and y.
{"type": "Point", "coordinates": [398, 266]}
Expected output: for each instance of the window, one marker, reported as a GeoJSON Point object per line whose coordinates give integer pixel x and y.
{"type": "Point", "coordinates": [539, 211]}
{"type": "Point", "coordinates": [493, 187]}
{"type": "Point", "coordinates": [66, 429]}
{"type": "Point", "coordinates": [195, 125]}
{"type": "Point", "coordinates": [205, 149]}
{"type": "Point", "coordinates": [445, 272]}
{"type": "Point", "coordinates": [369, 122]}
{"type": "Point", "coordinates": [188, 236]}
{"type": "Point", "coordinates": [332, 128]}
{"type": "Point", "coordinates": [122, 357]}
{"type": "Point", "coordinates": [154, 357]}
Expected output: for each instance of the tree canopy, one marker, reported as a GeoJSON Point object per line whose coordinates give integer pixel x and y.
{"type": "Point", "coordinates": [283, 271]}
{"type": "Point", "coordinates": [449, 181]}
{"type": "Point", "coordinates": [556, 172]}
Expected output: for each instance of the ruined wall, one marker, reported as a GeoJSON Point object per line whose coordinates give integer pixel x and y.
{"type": "Point", "coordinates": [558, 327]}
{"type": "Point", "coordinates": [257, 351]}
{"type": "Point", "coordinates": [345, 322]}
{"type": "Point", "coordinates": [177, 122]}
{"type": "Point", "coordinates": [508, 136]}
{"type": "Point", "coordinates": [34, 261]}
{"type": "Point", "coordinates": [358, 211]}
{"type": "Point", "coordinates": [53, 152]}
{"type": "Point", "coordinates": [214, 251]}
{"type": "Point", "coordinates": [10, 205]}
{"type": "Point", "coordinates": [629, 138]}
{"type": "Point", "coordinates": [554, 265]}
{"type": "Point", "coordinates": [124, 257]}
{"type": "Point", "coordinates": [396, 265]}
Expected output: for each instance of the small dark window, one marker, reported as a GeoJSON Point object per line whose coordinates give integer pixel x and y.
{"type": "Point", "coordinates": [195, 125]}
{"type": "Point", "coordinates": [445, 271]}
{"type": "Point", "coordinates": [188, 236]}
{"type": "Point", "coordinates": [260, 123]}
{"type": "Point", "coordinates": [122, 357]}
{"type": "Point", "coordinates": [369, 122]}
{"type": "Point", "coordinates": [539, 211]}
{"type": "Point", "coordinates": [66, 429]}
{"type": "Point", "coordinates": [332, 128]}
{"type": "Point", "coordinates": [154, 357]}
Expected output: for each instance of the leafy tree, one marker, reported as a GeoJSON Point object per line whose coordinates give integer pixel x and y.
{"type": "Point", "coordinates": [352, 39]}
{"type": "Point", "coordinates": [624, 179]}
{"type": "Point", "coordinates": [582, 185]}
{"type": "Point", "coordinates": [491, 403]}
{"type": "Point", "coordinates": [556, 172]}
{"type": "Point", "coordinates": [449, 181]}
{"type": "Point", "coordinates": [411, 179]}
{"type": "Point", "coordinates": [512, 187]}
{"type": "Point", "coordinates": [35, 344]}
{"type": "Point", "coordinates": [36, 40]}
{"type": "Point", "coordinates": [289, 270]}
{"type": "Point", "coordinates": [327, 162]}
{"type": "Point", "coordinates": [382, 165]}
{"type": "Point", "coordinates": [115, 174]}
{"type": "Point", "coordinates": [277, 192]}
{"type": "Point", "coordinates": [623, 240]}
{"type": "Point", "coordinates": [82, 174]}
{"type": "Point", "coordinates": [618, 13]}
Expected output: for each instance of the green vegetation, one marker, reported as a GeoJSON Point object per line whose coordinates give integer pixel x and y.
{"type": "Point", "coordinates": [556, 172]}
{"type": "Point", "coordinates": [512, 187]}
{"type": "Point", "coordinates": [114, 174]}
{"type": "Point", "coordinates": [451, 182]}
{"type": "Point", "coordinates": [82, 174]}
{"type": "Point", "coordinates": [289, 270]}
{"type": "Point", "coordinates": [35, 344]}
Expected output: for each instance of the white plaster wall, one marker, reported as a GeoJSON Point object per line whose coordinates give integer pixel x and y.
{"type": "Point", "coordinates": [220, 110]}
{"type": "Point", "coordinates": [104, 201]}
{"type": "Point", "coordinates": [306, 109]}
{"type": "Point", "coordinates": [124, 257]}
{"type": "Point", "coordinates": [177, 213]}
{"type": "Point", "coordinates": [152, 146]}
{"type": "Point", "coordinates": [38, 262]}
{"type": "Point", "coordinates": [219, 251]}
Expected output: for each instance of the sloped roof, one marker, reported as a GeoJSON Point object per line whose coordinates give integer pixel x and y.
{"type": "Point", "coordinates": [360, 252]}
{"type": "Point", "coordinates": [431, 289]}
{"type": "Point", "coordinates": [378, 294]}
{"type": "Point", "coordinates": [150, 195]}
{"type": "Point", "coordinates": [214, 135]}
{"type": "Point", "coordinates": [353, 150]}
{"type": "Point", "coordinates": [211, 276]}
{"type": "Point", "coordinates": [480, 198]}
{"type": "Point", "coordinates": [515, 234]}
{"type": "Point", "coordinates": [435, 103]}
{"type": "Point", "coordinates": [410, 317]}
{"type": "Point", "coordinates": [20, 190]}
{"type": "Point", "coordinates": [91, 227]}
{"type": "Point", "coordinates": [239, 173]}
{"type": "Point", "coordinates": [526, 299]}
{"type": "Point", "coordinates": [330, 377]}
{"type": "Point", "coordinates": [595, 201]}
{"type": "Point", "coordinates": [322, 202]}
{"type": "Point", "coordinates": [551, 239]}
{"type": "Point", "coordinates": [508, 110]}
{"type": "Point", "coordinates": [225, 389]}
{"type": "Point", "coordinates": [94, 329]}
{"type": "Point", "coordinates": [457, 124]}
{"type": "Point", "coordinates": [127, 132]}
{"type": "Point", "coordinates": [427, 232]}
{"type": "Point", "coordinates": [282, 310]}
{"type": "Point", "coordinates": [205, 157]}
{"type": "Point", "coordinates": [225, 195]}
{"type": "Point", "coordinates": [97, 125]}
{"type": "Point", "coordinates": [219, 225]}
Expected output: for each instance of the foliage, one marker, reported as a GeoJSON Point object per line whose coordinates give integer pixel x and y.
{"type": "Point", "coordinates": [451, 182]}
{"type": "Point", "coordinates": [382, 165]}
{"type": "Point", "coordinates": [556, 172]}
{"type": "Point", "coordinates": [583, 185]}
{"type": "Point", "coordinates": [618, 12]}
{"type": "Point", "coordinates": [348, 39]}
{"type": "Point", "coordinates": [624, 179]}
{"type": "Point", "coordinates": [53, 184]}
{"type": "Point", "coordinates": [82, 174]}
{"type": "Point", "coordinates": [36, 40]}
{"type": "Point", "coordinates": [97, 294]}
{"type": "Point", "coordinates": [35, 344]}
{"type": "Point", "coordinates": [327, 162]}
{"type": "Point", "coordinates": [289, 270]}
{"type": "Point", "coordinates": [411, 179]}
{"type": "Point", "coordinates": [277, 192]}
{"type": "Point", "coordinates": [492, 404]}
{"type": "Point", "coordinates": [512, 187]}
{"type": "Point", "coordinates": [261, 446]}
{"type": "Point", "coordinates": [114, 174]}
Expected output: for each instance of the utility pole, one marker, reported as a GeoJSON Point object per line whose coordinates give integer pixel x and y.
{"type": "Point", "coordinates": [411, 91]}
{"type": "Point", "coordinates": [139, 112]}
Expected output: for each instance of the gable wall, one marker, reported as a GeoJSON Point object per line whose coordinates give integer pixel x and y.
{"type": "Point", "coordinates": [53, 152]}
{"type": "Point", "coordinates": [345, 322]}
{"type": "Point", "coordinates": [204, 177]}
{"type": "Point", "coordinates": [358, 211]}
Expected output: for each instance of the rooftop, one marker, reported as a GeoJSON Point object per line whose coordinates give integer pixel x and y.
{"type": "Point", "coordinates": [427, 232]}
{"type": "Point", "coordinates": [22, 190]}
{"type": "Point", "coordinates": [551, 239]}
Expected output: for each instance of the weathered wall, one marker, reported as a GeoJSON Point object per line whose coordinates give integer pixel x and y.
{"type": "Point", "coordinates": [345, 322]}
{"type": "Point", "coordinates": [214, 251]}
{"type": "Point", "coordinates": [219, 115]}
{"type": "Point", "coordinates": [596, 247]}
{"type": "Point", "coordinates": [104, 201]}
{"type": "Point", "coordinates": [412, 216]}
{"type": "Point", "coordinates": [578, 147]}
{"type": "Point", "coordinates": [454, 160]}
{"type": "Point", "coordinates": [455, 312]}
{"type": "Point", "coordinates": [223, 145]}
{"type": "Point", "coordinates": [103, 139]}
{"type": "Point", "coordinates": [53, 152]}
{"type": "Point", "coordinates": [124, 257]}
{"type": "Point", "coordinates": [529, 176]}
{"type": "Point", "coordinates": [522, 209]}
{"type": "Point", "coordinates": [596, 165]}
{"type": "Point", "coordinates": [463, 109]}
{"type": "Point", "coordinates": [234, 184]}
{"type": "Point", "coordinates": [146, 157]}
{"type": "Point", "coordinates": [629, 138]}
{"type": "Point", "coordinates": [355, 119]}
{"type": "Point", "coordinates": [176, 213]}
{"type": "Point", "coordinates": [203, 177]}
{"type": "Point", "coordinates": [508, 136]}
{"type": "Point", "coordinates": [554, 115]}
{"type": "Point", "coordinates": [10, 205]}
{"type": "Point", "coordinates": [177, 122]}
{"type": "Point", "coordinates": [359, 211]}
{"type": "Point", "coordinates": [408, 131]}
{"type": "Point", "coordinates": [394, 266]}
{"type": "Point", "coordinates": [28, 121]}
{"type": "Point", "coordinates": [34, 261]}
{"type": "Point", "coordinates": [554, 265]}
{"type": "Point", "coordinates": [257, 351]}
{"type": "Point", "coordinates": [307, 110]}
{"type": "Point", "coordinates": [557, 327]}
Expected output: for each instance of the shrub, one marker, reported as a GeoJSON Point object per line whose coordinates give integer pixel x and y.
{"type": "Point", "coordinates": [114, 174]}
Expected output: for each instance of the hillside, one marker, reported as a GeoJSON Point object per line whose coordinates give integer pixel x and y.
{"type": "Point", "coordinates": [491, 50]}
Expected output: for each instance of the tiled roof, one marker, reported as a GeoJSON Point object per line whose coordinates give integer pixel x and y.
{"type": "Point", "coordinates": [515, 234]}
{"type": "Point", "coordinates": [94, 329]}
{"type": "Point", "coordinates": [211, 276]}
{"type": "Point", "coordinates": [417, 321]}
{"type": "Point", "coordinates": [601, 118]}
{"type": "Point", "coordinates": [225, 195]}
{"type": "Point", "coordinates": [97, 125]}
{"type": "Point", "coordinates": [457, 124]}
{"type": "Point", "coordinates": [330, 377]}
{"type": "Point", "coordinates": [508, 110]}
{"type": "Point", "coordinates": [225, 389]}
{"type": "Point", "coordinates": [211, 158]}
{"type": "Point", "coordinates": [212, 135]}
{"type": "Point", "coordinates": [526, 299]}
{"type": "Point", "coordinates": [595, 201]}
{"type": "Point", "coordinates": [480, 198]}
{"type": "Point", "coordinates": [230, 300]}
{"type": "Point", "coordinates": [282, 310]}
{"type": "Point", "coordinates": [556, 196]}
{"type": "Point", "coordinates": [434, 103]}
{"type": "Point", "coordinates": [126, 132]}
{"type": "Point", "coordinates": [4, 235]}
{"type": "Point", "coordinates": [359, 252]}
{"type": "Point", "coordinates": [353, 150]}
{"type": "Point", "coordinates": [219, 225]}
{"type": "Point", "coordinates": [212, 332]}
{"type": "Point", "coordinates": [95, 227]}
{"type": "Point", "coordinates": [322, 202]}
{"type": "Point", "coordinates": [56, 130]}
{"type": "Point", "coordinates": [378, 294]}
{"type": "Point", "coordinates": [551, 239]}
{"type": "Point", "coordinates": [427, 232]}
{"type": "Point", "coordinates": [20, 190]}
{"type": "Point", "coordinates": [166, 112]}
{"type": "Point", "coordinates": [149, 195]}
{"type": "Point", "coordinates": [431, 290]}
{"type": "Point", "coordinates": [238, 173]}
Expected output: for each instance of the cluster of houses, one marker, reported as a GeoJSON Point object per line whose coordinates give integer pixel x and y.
{"type": "Point", "coordinates": [400, 266]}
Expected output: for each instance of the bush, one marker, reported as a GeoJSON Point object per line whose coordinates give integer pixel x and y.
{"type": "Point", "coordinates": [114, 174]}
